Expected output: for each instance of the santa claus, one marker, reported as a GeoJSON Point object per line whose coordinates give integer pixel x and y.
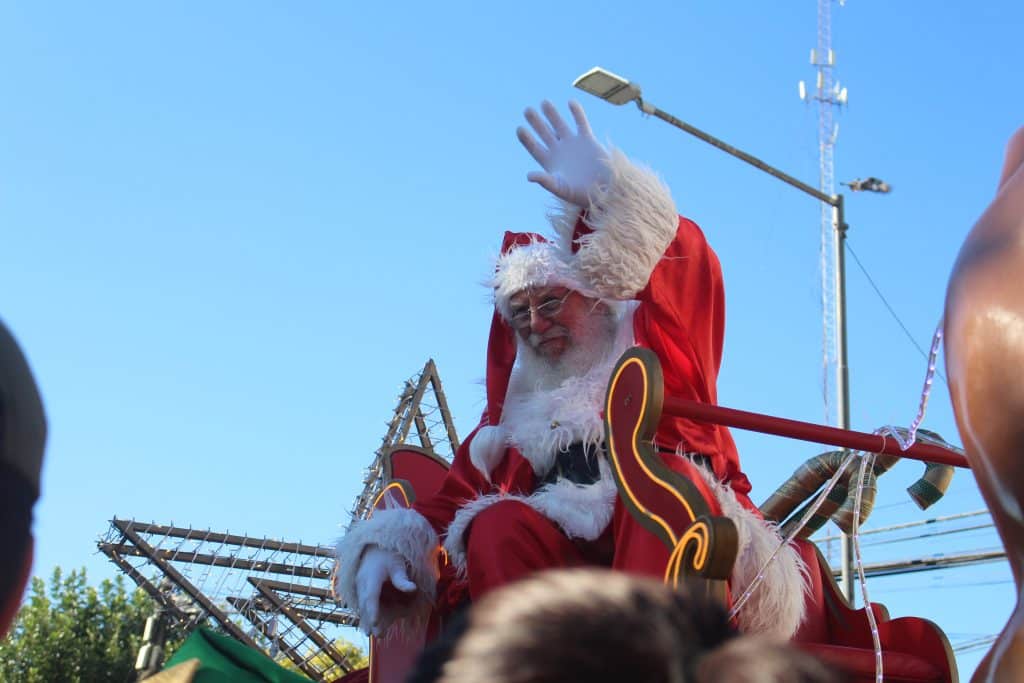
{"type": "Point", "coordinates": [530, 487]}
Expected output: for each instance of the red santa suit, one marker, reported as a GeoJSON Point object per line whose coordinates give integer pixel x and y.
{"type": "Point", "coordinates": [513, 503]}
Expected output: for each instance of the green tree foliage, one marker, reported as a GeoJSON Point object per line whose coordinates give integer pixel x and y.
{"type": "Point", "coordinates": [75, 632]}
{"type": "Point", "coordinates": [352, 653]}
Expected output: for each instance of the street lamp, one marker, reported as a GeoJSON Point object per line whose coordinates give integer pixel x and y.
{"type": "Point", "coordinates": [617, 90]}
{"type": "Point", "coordinates": [608, 86]}
{"type": "Point", "coordinates": [869, 184]}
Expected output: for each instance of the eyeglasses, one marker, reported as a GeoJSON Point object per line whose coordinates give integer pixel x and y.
{"type": "Point", "coordinates": [548, 308]}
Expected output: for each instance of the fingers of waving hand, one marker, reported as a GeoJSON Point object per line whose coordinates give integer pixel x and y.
{"type": "Point", "coordinates": [556, 186]}
{"type": "Point", "coordinates": [561, 129]}
{"type": "Point", "coordinates": [536, 150]}
{"type": "Point", "coordinates": [547, 135]}
{"type": "Point", "coordinates": [554, 130]}
{"type": "Point", "coordinates": [582, 125]}
{"type": "Point", "coordinates": [574, 162]}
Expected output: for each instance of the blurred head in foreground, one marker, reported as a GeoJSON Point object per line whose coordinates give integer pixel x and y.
{"type": "Point", "coordinates": [22, 441]}
{"type": "Point", "coordinates": [597, 625]}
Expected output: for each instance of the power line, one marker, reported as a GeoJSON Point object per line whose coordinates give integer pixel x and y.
{"type": "Point", "coordinates": [924, 564]}
{"type": "Point", "coordinates": [931, 534]}
{"type": "Point", "coordinates": [975, 644]}
{"type": "Point", "coordinates": [908, 525]}
{"type": "Point", "coordinates": [890, 308]}
{"type": "Point", "coordinates": [944, 586]}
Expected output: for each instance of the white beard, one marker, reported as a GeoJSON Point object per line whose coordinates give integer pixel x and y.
{"type": "Point", "coordinates": [551, 404]}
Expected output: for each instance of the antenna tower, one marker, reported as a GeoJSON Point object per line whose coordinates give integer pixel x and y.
{"type": "Point", "coordinates": [829, 97]}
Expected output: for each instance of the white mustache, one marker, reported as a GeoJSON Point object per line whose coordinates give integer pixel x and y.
{"type": "Point", "coordinates": [536, 339]}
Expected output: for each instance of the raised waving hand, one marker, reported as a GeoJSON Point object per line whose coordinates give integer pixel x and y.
{"type": "Point", "coordinates": [575, 164]}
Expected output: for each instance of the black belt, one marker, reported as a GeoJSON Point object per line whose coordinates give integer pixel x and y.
{"type": "Point", "coordinates": [578, 463]}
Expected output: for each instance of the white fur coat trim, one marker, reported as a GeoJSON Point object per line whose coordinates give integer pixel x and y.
{"type": "Point", "coordinates": [776, 608]}
{"type": "Point", "coordinates": [633, 219]}
{"type": "Point", "coordinates": [543, 423]}
{"type": "Point", "coordinates": [488, 448]}
{"type": "Point", "coordinates": [400, 530]}
{"type": "Point", "coordinates": [580, 511]}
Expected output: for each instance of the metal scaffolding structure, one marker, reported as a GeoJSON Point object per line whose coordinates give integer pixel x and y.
{"type": "Point", "coordinates": [422, 405]}
{"type": "Point", "coordinates": [272, 595]}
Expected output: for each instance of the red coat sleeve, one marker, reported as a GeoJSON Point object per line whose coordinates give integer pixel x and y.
{"type": "Point", "coordinates": [463, 483]}
{"type": "Point", "coordinates": [681, 317]}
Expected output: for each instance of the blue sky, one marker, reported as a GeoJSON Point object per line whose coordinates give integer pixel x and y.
{"type": "Point", "coordinates": [229, 231]}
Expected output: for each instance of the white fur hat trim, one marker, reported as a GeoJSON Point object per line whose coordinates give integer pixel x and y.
{"type": "Point", "coordinates": [538, 264]}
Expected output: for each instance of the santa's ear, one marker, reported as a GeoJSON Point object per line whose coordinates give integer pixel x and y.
{"type": "Point", "coordinates": [487, 449]}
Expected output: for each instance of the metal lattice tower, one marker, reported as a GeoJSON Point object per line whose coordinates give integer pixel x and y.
{"type": "Point", "coordinates": [828, 97]}
{"type": "Point", "coordinates": [422, 405]}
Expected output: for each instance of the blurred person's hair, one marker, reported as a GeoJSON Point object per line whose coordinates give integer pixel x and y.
{"type": "Point", "coordinates": [598, 625]}
{"type": "Point", "coordinates": [22, 443]}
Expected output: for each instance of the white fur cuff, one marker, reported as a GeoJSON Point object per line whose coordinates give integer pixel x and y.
{"type": "Point", "coordinates": [400, 530]}
{"type": "Point", "coordinates": [633, 220]}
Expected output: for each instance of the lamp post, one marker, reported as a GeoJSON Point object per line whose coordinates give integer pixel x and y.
{"type": "Point", "coordinates": [617, 90]}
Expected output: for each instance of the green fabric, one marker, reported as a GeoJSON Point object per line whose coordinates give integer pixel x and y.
{"type": "Point", "coordinates": [225, 659]}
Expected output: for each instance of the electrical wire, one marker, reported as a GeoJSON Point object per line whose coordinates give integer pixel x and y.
{"type": "Point", "coordinates": [915, 523]}
{"type": "Point", "coordinates": [943, 586]}
{"type": "Point", "coordinates": [892, 312]}
{"type": "Point", "coordinates": [975, 644]}
{"type": "Point", "coordinates": [931, 532]}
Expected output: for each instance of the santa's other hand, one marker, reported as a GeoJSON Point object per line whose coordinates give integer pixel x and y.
{"type": "Point", "coordinates": [378, 567]}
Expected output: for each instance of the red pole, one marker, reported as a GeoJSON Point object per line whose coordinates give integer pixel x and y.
{"type": "Point", "coordinates": [807, 431]}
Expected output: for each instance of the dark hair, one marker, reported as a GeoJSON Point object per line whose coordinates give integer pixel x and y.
{"type": "Point", "coordinates": [432, 660]}
{"type": "Point", "coordinates": [22, 442]}
{"type": "Point", "coordinates": [17, 496]}
{"type": "Point", "coordinates": [599, 625]}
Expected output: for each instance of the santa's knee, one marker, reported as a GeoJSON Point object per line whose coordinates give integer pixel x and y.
{"type": "Point", "coordinates": [506, 519]}
{"type": "Point", "coordinates": [509, 541]}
